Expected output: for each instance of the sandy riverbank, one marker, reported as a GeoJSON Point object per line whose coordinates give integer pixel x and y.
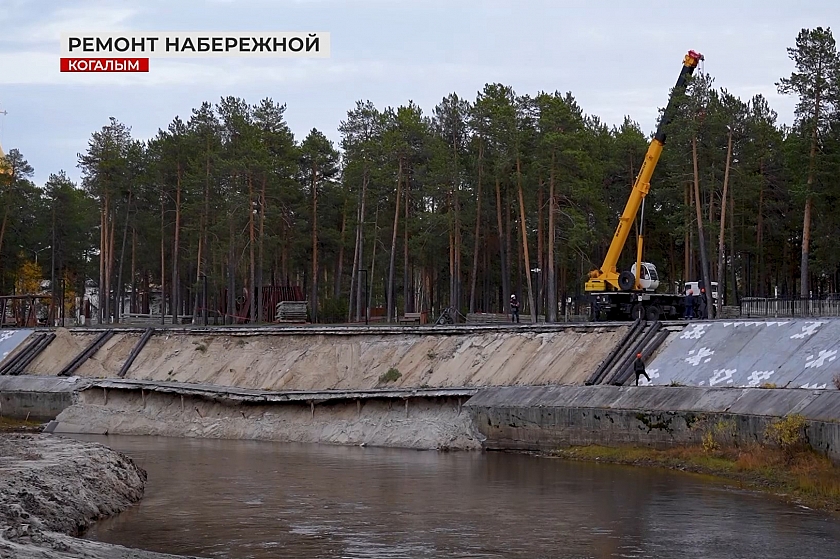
{"type": "Point", "coordinates": [52, 489]}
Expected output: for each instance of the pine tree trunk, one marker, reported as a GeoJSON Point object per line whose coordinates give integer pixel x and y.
{"type": "Point", "coordinates": [102, 234]}
{"type": "Point", "coordinates": [540, 289]}
{"type": "Point", "coordinates": [523, 227]}
{"type": "Point", "coordinates": [804, 285]}
{"type": "Point", "coordinates": [759, 235]}
{"type": "Point", "coordinates": [261, 254]}
{"type": "Point", "coordinates": [133, 301]}
{"type": "Point", "coordinates": [408, 299]}
{"type": "Point", "coordinates": [551, 282]}
{"type": "Point", "coordinates": [313, 296]}
{"type": "Point", "coordinates": [339, 265]}
{"type": "Point", "coordinates": [119, 308]}
{"type": "Point", "coordinates": [176, 250]}
{"type": "Point", "coordinates": [252, 267]}
{"type": "Point", "coordinates": [477, 243]}
{"type": "Point", "coordinates": [109, 271]}
{"type": "Point", "coordinates": [721, 247]}
{"type": "Point", "coordinates": [687, 242]}
{"type": "Point", "coordinates": [360, 245]}
{"type": "Point", "coordinates": [700, 235]}
{"type": "Point", "coordinates": [502, 249]}
{"type": "Point", "coordinates": [372, 260]}
{"type": "Point", "coordinates": [162, 261]}
{"type": "Point", "coordinates": [3, 226]}
{"type": "Point", "coordinates": [391, 305]}
{"type": "Point", "coordinates": [231, 274]}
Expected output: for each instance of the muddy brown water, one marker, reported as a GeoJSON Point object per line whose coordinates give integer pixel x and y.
{"type": "Point", "coordinates": [248, 499]}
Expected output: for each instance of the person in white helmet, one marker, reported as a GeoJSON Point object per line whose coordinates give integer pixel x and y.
{"type": "Point", "coordinates": [514, 309]}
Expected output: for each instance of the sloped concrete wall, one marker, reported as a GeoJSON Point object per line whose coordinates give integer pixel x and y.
{"type": "Point", "coordinates": [545, 418]}
{"type": "Point", "coordinates": [794, 353]}
{"type": "Point", "coordinates": [345, 359]}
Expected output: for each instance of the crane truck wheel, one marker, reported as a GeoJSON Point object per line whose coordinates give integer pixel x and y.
{"type": "Point", "coordinates": [626, 280]}
{"type": "Point", "coordinates": [638, 311]}
{"type": "Point", "coordinates": [653, 313]}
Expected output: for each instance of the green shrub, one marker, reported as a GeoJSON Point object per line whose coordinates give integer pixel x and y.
{"type": "Point", "coordinates": [391, 375]}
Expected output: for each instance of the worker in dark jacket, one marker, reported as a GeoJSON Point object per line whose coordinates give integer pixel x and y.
{"type": "Point", "coordinates": [639, 368]}
{"type": "Point", "coordinates": [514, 309]}
{"type": "Point", "coordinates": [702, 307]}
{"type": "Point", "coordinates": [689, 304]}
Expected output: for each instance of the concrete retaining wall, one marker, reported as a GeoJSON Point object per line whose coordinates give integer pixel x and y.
{"type": "Point", "coordinates": [545, 418]}
{"type": "Point", "coordinates": [38, 398]}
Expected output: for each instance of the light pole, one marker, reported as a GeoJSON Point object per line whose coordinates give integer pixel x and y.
{"type": "Point", "coordinates": [35, 252]}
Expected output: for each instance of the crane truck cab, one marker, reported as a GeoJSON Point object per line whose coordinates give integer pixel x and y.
{"type": "Point", "coordinates": [649, 278]}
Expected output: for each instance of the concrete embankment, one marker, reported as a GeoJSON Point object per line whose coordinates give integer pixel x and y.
{"type": "Point", "coordinates": [791, 353]}
{"type": "Point", "coordinates": [546, 418]}
{"type": "Point", "coordinates": [419, 418]}
{"type": "Point", "coordinates": [52, 489]}
{"type": "Point", "coordinates": [37, 398]}
{"type": "Point", "coordinates": [346, 358]}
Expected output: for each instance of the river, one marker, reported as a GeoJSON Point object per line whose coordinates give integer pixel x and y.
{"type": "Point", "coordinates": [249, 499]}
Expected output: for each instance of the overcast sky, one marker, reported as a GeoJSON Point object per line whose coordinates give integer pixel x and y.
{"type": "Point", "coordinates": [617, 58]}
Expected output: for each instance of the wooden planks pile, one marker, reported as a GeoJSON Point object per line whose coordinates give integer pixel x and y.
{"type": "Point", "coordinates": [291, 311]}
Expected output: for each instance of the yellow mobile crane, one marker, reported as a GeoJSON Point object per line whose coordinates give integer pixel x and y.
{"type": "Point", "coordinates": [631, 294]}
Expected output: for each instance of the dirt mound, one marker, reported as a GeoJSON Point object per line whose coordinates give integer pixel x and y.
{"type": "Point", "coordinates": [52, 488]}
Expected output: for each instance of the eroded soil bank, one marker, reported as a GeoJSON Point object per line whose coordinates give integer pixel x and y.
{"type": "Point", "coordinates": [52, 489]}
{"type": "Point", "coordinates": [418, 423]}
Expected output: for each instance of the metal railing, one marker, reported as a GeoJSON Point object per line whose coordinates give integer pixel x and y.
{"type": "Point", "coordinates": [760, 307]}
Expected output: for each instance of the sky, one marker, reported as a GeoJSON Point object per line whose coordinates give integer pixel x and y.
{"type": "Point", "coordinates": [616, 57]}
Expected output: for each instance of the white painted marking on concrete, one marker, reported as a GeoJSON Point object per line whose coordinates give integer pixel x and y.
{"type": "Point", "coordinates": [653, 374]}
{"type": "Point", "coordinates": [702, 354]}
{"type": "Point", "coordinates": [6, 335]}
{"type": "Point", "coordinates": [820, 360]}
{"type": "Point", "coordinates": [809, 330]}
{"type": "Point", "coordinates": [814, 386]}
{"type": "Point", "coordinates": [727, 324]}
{"type": "Point", "coordinates": [695, 332]}
{"type": "Point", "coordinates": [756, 377]}
{"type": "Point", "coordinates": [722, 375]}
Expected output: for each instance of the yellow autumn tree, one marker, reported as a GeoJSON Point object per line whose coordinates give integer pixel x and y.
{"type": "Point", "coordinates": [29, 278]}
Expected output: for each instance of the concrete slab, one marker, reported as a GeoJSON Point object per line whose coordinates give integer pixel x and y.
{"type": "Point", "coordinates": [793, 353]}
{"type": "Point", "coordinates": [11, 339]}
{"type": "Point", "coordinates": [62, 427]}
{"type": "Point", "coordinates": [813, 404]}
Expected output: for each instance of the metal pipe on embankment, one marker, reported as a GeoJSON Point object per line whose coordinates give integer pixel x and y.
{"type": "Point", "coordinates": [606, 365]}
{"type": "Point", "coordinates": [86, 354]}
{"type": "Point", "coordinates": [136, 351]}
{"type": "Point", "coordinates": [625, 371]}
{"type": "Point", "coordinates": [17, 365]}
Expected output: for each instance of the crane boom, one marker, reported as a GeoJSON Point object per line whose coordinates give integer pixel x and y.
{"type": "Point", "coordinates": [607, 278]}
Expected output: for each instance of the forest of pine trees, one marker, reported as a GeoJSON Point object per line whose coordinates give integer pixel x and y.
{"type": "Point", "coordinates": [456, 207]}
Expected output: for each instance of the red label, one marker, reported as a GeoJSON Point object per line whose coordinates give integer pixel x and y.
{"type": "Point", "coordinates": [104, 64]}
